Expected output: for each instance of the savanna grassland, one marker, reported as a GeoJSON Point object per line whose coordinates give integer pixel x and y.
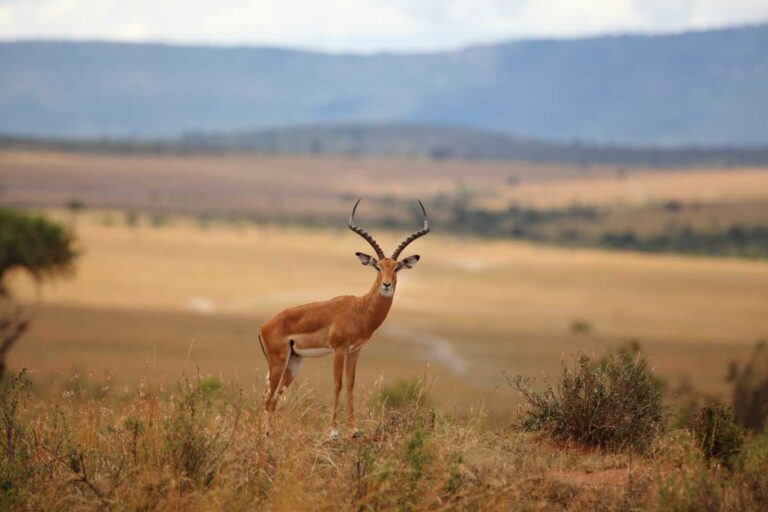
{"type": "Point", "coordinates": [156, 301]}
{"type": "Point", "coordinates": [277, 187]}
{"type": "Point", "coordinates": [696, 211]}
{"type": "Point", "coordinates": [183, 257]}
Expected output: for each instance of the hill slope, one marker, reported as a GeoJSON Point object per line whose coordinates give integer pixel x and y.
{"type": "Point", "coordinates": [692, 88]}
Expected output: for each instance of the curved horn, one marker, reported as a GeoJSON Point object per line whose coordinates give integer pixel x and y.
{"type": "Point", "coordinates": [414, 236]}
{"type": "Point", "coordinates": [363, 233]}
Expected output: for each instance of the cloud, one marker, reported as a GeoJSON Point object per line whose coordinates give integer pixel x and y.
{"type": "Point", "coordinates": [360, 25]}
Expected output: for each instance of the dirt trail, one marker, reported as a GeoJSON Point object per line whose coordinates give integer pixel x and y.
{"type": "Point", "coordinates": [440, 347]}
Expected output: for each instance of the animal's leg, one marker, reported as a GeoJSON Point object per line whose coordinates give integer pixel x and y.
{"type": "Point", "coordinates": [338, 373]}
{"type": "Point", "coordinates": [265, 395]}
{"type": "Point", "coordinates": [351, 364]}
{"type": "Point", "coordinates": [278, 363]}
{"type": "Point", "coordinates": [276, 372]}
{"type": "Point", "coordinates": [291, 371]}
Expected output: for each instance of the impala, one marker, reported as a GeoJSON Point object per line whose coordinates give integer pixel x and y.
{"type": "Point", "coordinates": [339, 326]}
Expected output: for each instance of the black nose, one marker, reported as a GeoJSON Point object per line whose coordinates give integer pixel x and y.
{"type": "Point", "coordinates": [387, 285]}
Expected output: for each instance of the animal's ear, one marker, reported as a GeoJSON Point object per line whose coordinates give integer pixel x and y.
{"type": "Point", "coordinates": [367, 260]}
{"type": "Point", "coordinates": [408, 262]}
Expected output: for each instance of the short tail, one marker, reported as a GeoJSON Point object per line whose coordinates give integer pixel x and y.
{"type": "Point", "coordinates": [261, 343]}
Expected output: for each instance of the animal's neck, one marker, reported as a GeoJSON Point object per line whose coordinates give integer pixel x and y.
{"type": "Point", "coordinates": [375, 306]}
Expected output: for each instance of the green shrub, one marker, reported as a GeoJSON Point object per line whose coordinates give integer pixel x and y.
{"type": "Point", "coordinates": [696, 488]}
{"type": "Point", "coordinates": [131, 218]}
{"type": "Point", "coordinates": [632, 353]}
{"type": "Point", "coordinates": [737, 240]}
{"type": "Point", "coordinates": [581, 327]}
{"type": "Point", "coordinates": [194, 433]}
{"type": "Point", "coordinates": [415, 455]}
{"type": "Point", "coordinates": [417, 458]}
{"type": "Point", "coordinates": [15, 441]}
{"type": "Point", "coordinates": [612, 405]}
{"type": "Point", "coordinates": [750, 389]}
{"type": "Point", "coordinates": [716, 433]}
{"type": "Point", "coordinates": [404, 392]}
{"type": "Point", "coordinates": [754, 471]}
{"type": "Point", "coordinates": [75, 205]}
{"type": "Point", "coordinates": [158, 220]}
{"type": "Point", "coordinates": [210, 384]}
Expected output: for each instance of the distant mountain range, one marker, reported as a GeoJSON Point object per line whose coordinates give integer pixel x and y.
{"type": "Point", "coordinates": [420, 141]}
{"type": "Point", "coordinates": [700, 88]}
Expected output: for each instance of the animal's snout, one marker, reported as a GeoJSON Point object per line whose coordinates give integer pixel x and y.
{"type": "Point", "coordinates": [387, 285]}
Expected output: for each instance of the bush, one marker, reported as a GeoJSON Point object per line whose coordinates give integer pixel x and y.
{"type": "Point", "coordinates": [131, 218]}
{"type": "Point", "coordinates": [612, 405]}
{"type": "Point", "coordinates": [15, 447]}
{"type": "Point", "coordinates": [581, 327]}
{"type": "Point", "coordinates": [750, 389]}
{"type": "Point", "coordinates": [695, 486]}
{"type": "Point", "coordinates": [195, 435]}
{"type": "Point", "coordinates": [209, 384]}
{"type": "Point", "coordinates": [404, 392]}
{"type": "Point", "coordinates": [754, 470]}
{"type": "Point", "coordinates": [716, 433]}
{"type": "Point", "coordinates": [631, 351]}
{"type": "Point", "coordinates": [742, 241]}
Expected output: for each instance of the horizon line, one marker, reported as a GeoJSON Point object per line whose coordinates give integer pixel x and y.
{"type": "Point", "coordinates": [621, 33]}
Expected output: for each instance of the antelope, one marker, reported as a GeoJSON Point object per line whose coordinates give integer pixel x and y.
{"type": "Point", "coordinates": [339, 326]}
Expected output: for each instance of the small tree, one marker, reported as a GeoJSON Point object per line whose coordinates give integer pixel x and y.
{"type": "Point", "coordinates": [42, 248]}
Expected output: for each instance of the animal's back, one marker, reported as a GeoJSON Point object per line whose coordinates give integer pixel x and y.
{"type": "Point", "coordinates": [306, 318]}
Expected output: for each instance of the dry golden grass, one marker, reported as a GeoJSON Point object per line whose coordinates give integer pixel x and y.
{"type": "Point", "coordinates": [281, 187]}
{"type": "Point", "coordinates": [195, 446]}
{"type": "Point", "coordinates": [643, 187]}
{"type": "Point", "coordinates": [156, 301]}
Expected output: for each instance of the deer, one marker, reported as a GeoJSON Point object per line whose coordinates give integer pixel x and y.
{"type": "Point", "coordinates": [340, 326]}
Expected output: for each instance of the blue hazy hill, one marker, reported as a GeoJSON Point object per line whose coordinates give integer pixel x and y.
{"type": "Point", "coordinates": [705, 88]}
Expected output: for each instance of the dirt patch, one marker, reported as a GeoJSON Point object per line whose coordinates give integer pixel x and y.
{"type": "Point", "coordinates": [612, 477]}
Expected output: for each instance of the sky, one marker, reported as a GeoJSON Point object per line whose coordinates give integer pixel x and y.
{"type": "Point", "coordinates": [361, 26]}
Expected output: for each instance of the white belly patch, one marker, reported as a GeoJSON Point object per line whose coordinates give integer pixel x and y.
{"type": "Point", "coordinates": [312, 352]}
{"type": "Point", "coordinates": [311, 344]}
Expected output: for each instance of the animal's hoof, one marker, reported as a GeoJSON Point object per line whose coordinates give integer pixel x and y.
{"type": "Point", "coordinates": [356, 433]}
{"type": "Point", "coordinates": [334, 435]}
